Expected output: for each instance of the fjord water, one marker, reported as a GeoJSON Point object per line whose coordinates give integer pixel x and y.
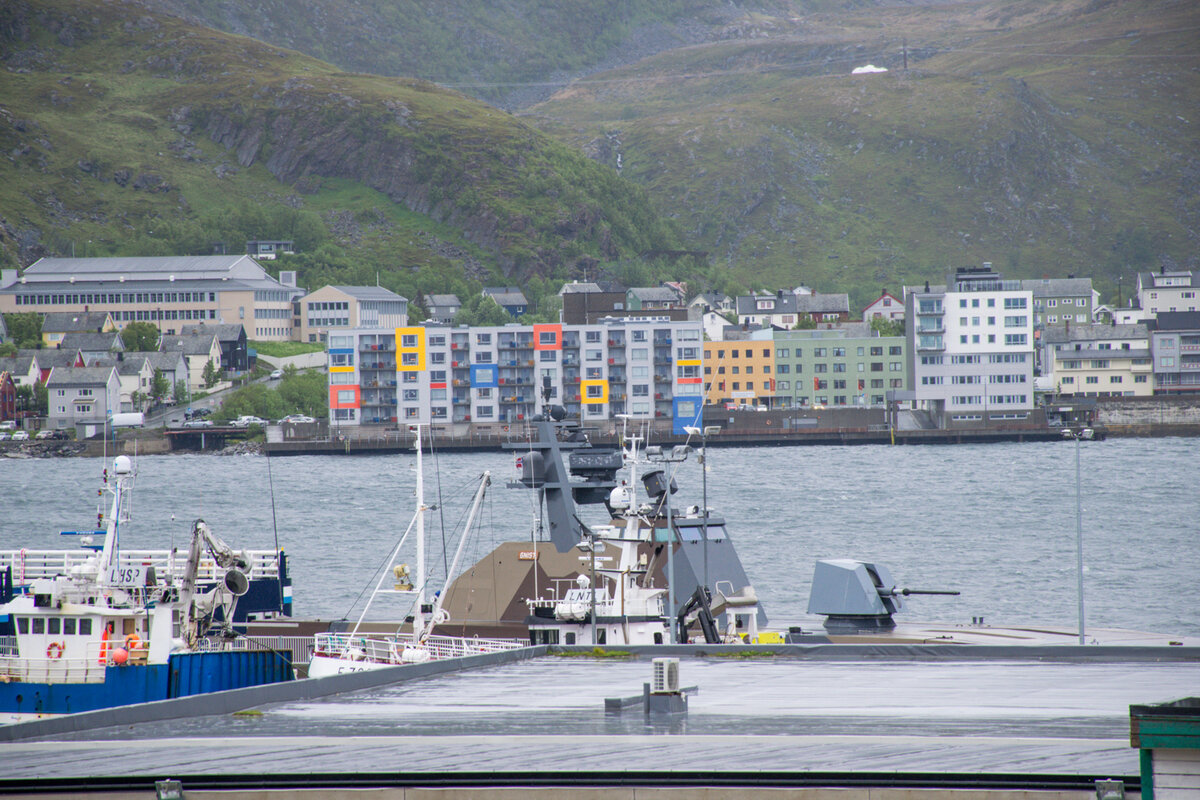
{"type": "Point", "coordinates": [996, 521]}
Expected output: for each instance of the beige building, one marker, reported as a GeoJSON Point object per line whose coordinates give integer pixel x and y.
{"type": "Point", "coordinates": [338, 308]}
{"type": "Point", "coordinates": [1099, 360]}
{"type": "Point", "coordinates": [169, 292]}
{"type": "Point", "coordinates": [197, 349]}
{"type": "Point", "coordinates": [57, 325]}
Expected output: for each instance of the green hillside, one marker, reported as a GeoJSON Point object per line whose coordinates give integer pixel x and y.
{"type": "Point", "coordinates": [508, 52]}
{"type": "Point", "coordinates": [1051, 138]}
{"type": "Point", "coordinates": [124, 132]}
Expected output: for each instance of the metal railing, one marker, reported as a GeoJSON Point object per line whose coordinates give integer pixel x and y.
{"type": "Point", "coordinates": [28, 565]}
{"type": "Point", "coordinates": [379, 649]}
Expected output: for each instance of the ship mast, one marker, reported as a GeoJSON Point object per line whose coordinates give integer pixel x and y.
{"type": "Point", "coordinates": [419, 614]}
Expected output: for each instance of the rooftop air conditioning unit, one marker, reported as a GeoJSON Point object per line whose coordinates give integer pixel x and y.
{"type": "Point", "coordinates": [666, 676]}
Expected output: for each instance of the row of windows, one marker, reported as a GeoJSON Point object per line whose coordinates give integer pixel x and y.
{"type": "Point", "coordinates": [55, 626]}
{"type": "Point", "coordinates": [1070, 379]}
{"type": "Point", "coordinates": [1012, 321]}
{"type": "Point", "coordinates": [159, 314]}
{"type": "Point", "coordinates": [995, 399]}
{"type": "Point", "coordinates": [115, 298]}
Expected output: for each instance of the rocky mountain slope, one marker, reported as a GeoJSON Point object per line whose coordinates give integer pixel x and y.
{"type": "Point", "coordinates": [123, 131]}
{"type": "Point", "coordinates": [1053, 138]}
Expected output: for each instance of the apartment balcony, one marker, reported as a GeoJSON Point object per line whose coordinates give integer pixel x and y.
{"type": "Point", "coordinates": [661, 341]}
{"type": "Point", "coordinates": [938, 328]}
{"type": "Point", "coordinates": [661, 361]}
{"type": "Point", "coordinates": [927, 309]}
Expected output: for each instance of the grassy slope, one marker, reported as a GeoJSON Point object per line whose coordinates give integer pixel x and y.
{"type": "Point", "coordinates": [1040, 137]}
{"type": "Point", "coordinates": [493, 47]}
{"type": "Point", "coordinates": [128, 129]}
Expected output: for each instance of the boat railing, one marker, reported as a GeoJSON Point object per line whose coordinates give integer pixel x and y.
{"type": "Point", "coordinates": [382, 648]}
{"type": "Point", "coordinates": [28, 565]}
{"type": "Point", "coordinates": [301, 647]}
{"type": "Point", "coordinates": [558, 591]}
{"type": "Point", "coordinates": [51, 670]}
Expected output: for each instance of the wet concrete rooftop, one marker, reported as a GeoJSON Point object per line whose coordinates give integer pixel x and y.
{"type": "Point", "coordinates": [778, 714]}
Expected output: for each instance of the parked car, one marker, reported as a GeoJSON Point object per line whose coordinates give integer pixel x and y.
{"type": "Point", "coordinates": [20, 436]}
{"type": "Point", "coordinates": [5, 436]}
{"type": "Point", "coordinates": [45, 433]}
{"type": "Point", "coordinates": [60, 435]}
{"type": "Point", "coordinates": [297, 419]}
{"type": "Point", "coordinates": [198, 423]}
{"type": "Point", "coordinates": [8, 425]}
{"type": "Point", "coordinates": [276, 374]}
{"type": "Point", "coordinates": [247, 421]}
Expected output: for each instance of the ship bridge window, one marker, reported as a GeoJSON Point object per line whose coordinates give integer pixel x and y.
{"type": "Point", "coordinates": [68, 626]}
{"type": "Point", "coordinates": [39, 624]}
{"type": "Point", "coordinates": [23, 625]}
{"type": "Point", "coordinates": [85, 626]}
{"type": "Point", "coordinates": [55, 626]}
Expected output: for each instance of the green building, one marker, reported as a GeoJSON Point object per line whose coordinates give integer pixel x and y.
{"type": "Point", "coordinates": [846, 365]}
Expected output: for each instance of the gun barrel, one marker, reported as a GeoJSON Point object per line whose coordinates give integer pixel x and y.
{"type": "Point", "coordinates": [907, 592]}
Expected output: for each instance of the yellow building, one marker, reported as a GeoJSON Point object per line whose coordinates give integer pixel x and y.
{"type": "Point", "coordinates": [56, 325]}
{"type": "Point", "coordinates": [739, 371]}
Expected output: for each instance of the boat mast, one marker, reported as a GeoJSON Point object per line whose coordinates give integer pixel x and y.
{"type": "Point", "coordinates": [419, 614]}
{"type": "Point", "coordinates": [122, 473]}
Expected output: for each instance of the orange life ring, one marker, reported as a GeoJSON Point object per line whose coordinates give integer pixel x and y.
{"type": "Point", "coordinates": [55, 650]}
{"type": "Point", "coordinates": [506, 429]}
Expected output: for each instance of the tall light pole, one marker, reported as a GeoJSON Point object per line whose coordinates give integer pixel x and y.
{"type": "Point", "coordinates": [704, 433]}
{"type": "Point", "coordinates": [1078, 434]}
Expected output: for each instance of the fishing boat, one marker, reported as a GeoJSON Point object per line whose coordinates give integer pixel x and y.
{"type": "Point", "coordinates": [106, 628]}
{"type": "Point", "coordinates": [338, 652]}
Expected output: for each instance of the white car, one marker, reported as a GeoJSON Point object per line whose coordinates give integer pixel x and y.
{"type": "Point", "coordinates": [45, 433]}
{"type": "Point", "coordinates": [276, 374]}
{"type": "Point", "coordinates": [297, 419]}
{"type": "Point", "coordinates": [247, 421]}
{"type": "Point", "coordinates": [20, 436]}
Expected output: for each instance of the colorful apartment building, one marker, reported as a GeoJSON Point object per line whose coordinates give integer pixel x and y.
{"type": "Point", "coordinates": [846, 364]}
{"type": "Point", "coordinates": [648, 369]}
{"type": "Point", "coordinates": [740, 371]}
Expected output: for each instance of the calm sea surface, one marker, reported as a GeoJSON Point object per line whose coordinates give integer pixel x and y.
{"type": "Point", "coordinates": [996, 522]}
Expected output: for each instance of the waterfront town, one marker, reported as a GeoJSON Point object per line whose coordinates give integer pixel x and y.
{"type": "Point", "coordinates": [977, 350]}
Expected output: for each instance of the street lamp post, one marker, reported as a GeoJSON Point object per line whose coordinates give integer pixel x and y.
{"type": "Point", "coordinates": [1077, 435]}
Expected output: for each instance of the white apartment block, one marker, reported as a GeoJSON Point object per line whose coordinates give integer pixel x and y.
{"type": "Point", "coordinates": [1167, 291]}
{"type": "Point", "coordinates": [971, 347]}
{"type": "Point", "coordinates": [647, 368]}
